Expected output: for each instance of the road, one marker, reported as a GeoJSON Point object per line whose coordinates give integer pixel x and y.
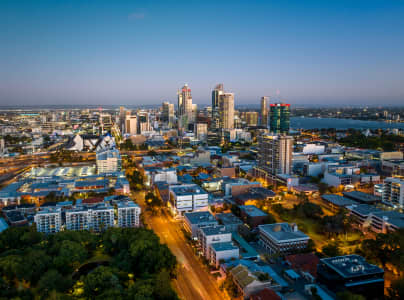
{"type": "Point", "coordinates": [193, 279]}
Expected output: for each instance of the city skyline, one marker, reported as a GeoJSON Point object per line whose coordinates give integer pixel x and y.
{"type": "Point", "coordinates": [130, 54]}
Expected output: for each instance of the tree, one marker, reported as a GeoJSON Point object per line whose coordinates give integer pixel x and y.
{"type": "Point", "coordinates": [100, 280]}
{"type": "Point", "coordinates": [270, 219]}
{"type": "Point", "coordinates": [231, 287]}
{"type": "Point", "coordinates": [163, 288]}
{"type": "Point", "coordinates": [153, 201]}
{"type": "Point", "coordinates": [396, 291]}
{"type": "Point", "coordinates": [331, 249]}
{"type": "Point", "coordinates": [71, 255]}
{"type": "Point", "coordinates": [35, 263]}
{"type": "Point", "coordinates": [346, 295]}
{"type": "Point", "coordinates": [142, 290]}
{"type": "Point", "coordinates": [53, 280]}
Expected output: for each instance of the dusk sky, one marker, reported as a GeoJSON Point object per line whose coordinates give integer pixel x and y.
{"type": "Point", "coordinates": [141, 52]}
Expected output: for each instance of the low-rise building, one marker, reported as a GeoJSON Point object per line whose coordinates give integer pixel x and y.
{"type": "Point", "coordinates": [222, 251]}
{"type": "Point", "coordinates": [252, 215]}
{"type": "Point", "coordinates": [335, 202]}
{"type": "Point", "coordinates": [282, 238]}
{"type": "Point", "coordinates": [195, 220]}
{"type": "Point", "coordinates": [248, 282]}
{"type": "Point", "coordinates": [188, 198]}
{"type": "Point", "coordinates": [353, 273]}
{"type": "Point", "coordinates": [168, 175]}
{"type": "Point", "coordinates": [210, 235]}
{"type": "Point", "coordinates": [362, 197]}
{"type": "Point", "coordinates": [229, 220]}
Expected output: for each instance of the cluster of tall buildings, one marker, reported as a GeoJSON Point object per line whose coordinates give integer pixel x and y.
{"type": "Point", "coordinates": [222, 108]}
{"type": "Point", "coordinates": [134, 123]}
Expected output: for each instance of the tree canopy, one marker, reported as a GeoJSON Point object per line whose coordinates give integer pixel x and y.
{"type": "Point", "coordinates": [121, 263]}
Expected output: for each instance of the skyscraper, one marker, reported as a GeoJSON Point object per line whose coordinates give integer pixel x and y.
{"type": "Point", "coordinates": [143, 122]}
{"type": "Point", "coordinates": [275, 154]}
{"type": "Point", "coordinates": [279, 118]}
{"type": "Point", "coordinates": [185, 107]}
{"type": "Point", "coordinates": [251, 118]}
{"type": "Point", "coordinates": [167, 115]}
{"type": "Point", "coordinates": [218, 90]}
{"type": "Point", "coordinates": [131, 125]}
{"type": "Point", "coordinates": [264, 111]}
{"type": "Point", "coordinates": [226, 110]}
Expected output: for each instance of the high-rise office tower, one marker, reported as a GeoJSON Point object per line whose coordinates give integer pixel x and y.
{"type": "Point", "coordinates": [251, 118]}
{"type": "Point", "coordinates": [279, 118]}
{"type": "Point", "coordinates": [194, 113]}
{"type": "Point", "coordinates": [131, 125]}
{"type": "Point", "coordinates": [167, 115]}
{"type": "Point", "coordinates": [275, 154]}
{"type": "Point", "coordinates": [122, 118]}
{"type": "Point", "coordinates": [226, 110]}
{"type": "Point", "coordinates": [185, 111]}
{"type": "Point", "coordinates": [218, 90]}
{"type": "Point", "coordinates": [143, 121]}
{"type": "Point", "coordinates": [264, 111]}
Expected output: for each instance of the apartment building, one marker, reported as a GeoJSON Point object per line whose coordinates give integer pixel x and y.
{"type": "Point", "coordinates": [128, 214]}
{"type": "Point", "coordinates": [393, 191]}
{"type": "Point", "coordinates": [210, 235]}
{"type": "Point", "coordinates": [97, 218]}
{"type": "Point", "coordinates": [48, 220]}
{"type": "Point", "coordinates": [187, 198]}
{"type": "Point", "coordinates": [109, 161]}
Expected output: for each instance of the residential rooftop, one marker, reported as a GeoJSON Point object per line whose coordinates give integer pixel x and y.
{"type": "Point", "coordinates": [214, 230]}
{"type": "Point", "coordinates": [199, 217]}
{"type": "Point", "coordinates": [225, 246]}
{"type": "Point", "coordinates": [189, 189]}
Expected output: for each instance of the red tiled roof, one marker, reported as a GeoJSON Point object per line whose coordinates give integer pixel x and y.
{"type": "Point", "coordinates": [265, 294]}
{"type": "Point", "coordinates": [92, 200]}
{"type": "Point", "coordinates": [305, 261]}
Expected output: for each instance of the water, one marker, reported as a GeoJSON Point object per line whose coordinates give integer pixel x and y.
{"type": "Point", "coordinates": [314, 123]}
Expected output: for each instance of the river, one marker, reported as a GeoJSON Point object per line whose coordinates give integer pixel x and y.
{"type": "Point", "coordinates": [313, 123]}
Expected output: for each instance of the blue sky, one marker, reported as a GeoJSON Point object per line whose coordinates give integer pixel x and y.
{"type": "Point", "coordinates": [140, 52]}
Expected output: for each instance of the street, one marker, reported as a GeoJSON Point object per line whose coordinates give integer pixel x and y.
{"type": "Point", "coordinates": [193, 280]}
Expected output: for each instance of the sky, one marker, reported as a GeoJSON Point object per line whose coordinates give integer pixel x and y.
{"type": "Point", "coordinates": [140, 52]}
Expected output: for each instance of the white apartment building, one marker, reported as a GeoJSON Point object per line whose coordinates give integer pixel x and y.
{"type": "Point", "coordinates": [393, 191]}
{"type": "Point", "coordinates": [168, 175]}
{"type": "Point", "coordinates": [187, 198]}
{"type": "Point", "coordinates": [222, 251]}
{"type": "Point", "coordinates": [98, 218]}
{"type": "Point", "coordinates": [77, 219]}
{"type": "Point", "coordinates": [313, 149]}
{"type": "Point", "coordinates": [109, 161]}
{"type": "Point", "coordinates": [128, 214]}
{"type": "Point", "coordinates": [48, 220]}
{"type": "Point", "coordinates": [210, 235]}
